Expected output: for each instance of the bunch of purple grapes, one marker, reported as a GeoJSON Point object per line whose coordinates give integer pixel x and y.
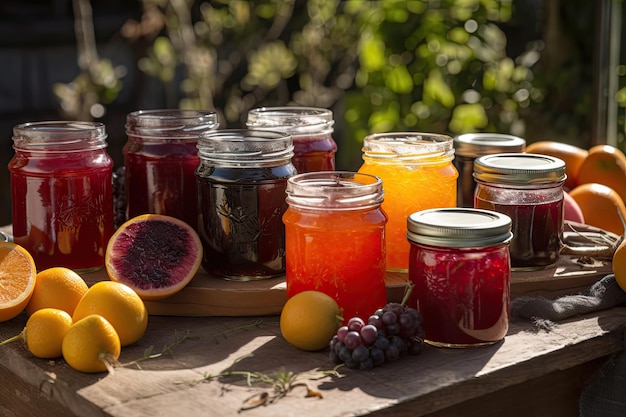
{"type": "Point", "coordinates": [391, 332]}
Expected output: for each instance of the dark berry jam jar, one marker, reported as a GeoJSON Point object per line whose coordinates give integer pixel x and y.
{"type": "Point", "coordinates": [310, 128]}
{"type": "Point", "coordinates": [242, 179]}
{"type": "Point", "coordinates": [160, 158]}
{"type": "Point", "coordinates": [62, 193]}
{"type": "Point", "coordinates": [529, 189]}
{"type": "Point", "coordinates": [470, 146]}
{"type": "Point", "coordinates": [460, 266]}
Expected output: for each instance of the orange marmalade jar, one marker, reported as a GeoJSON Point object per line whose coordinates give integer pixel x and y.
{"type": "Point", "coordinates": [335, 239]}
{"type": "Point", "coordinates": [417, 174]}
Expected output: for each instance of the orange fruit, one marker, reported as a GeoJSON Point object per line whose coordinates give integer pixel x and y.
{"type": "Point", "coordinates": [572, 155]}
{"type": "Point", "coordinates": [605, 165]}
{"type": "Point", "coordinates": [309, 320]}
{"type": "Point", "coordinates": [57, 287]}
{"type": "Point", "coordinates": [91, 345]}
{"type": "Point", "coordinates": [600, 206]}
{"type": "Point", "coordinates": [120, 305]}
{"type": "Point", "coordinates": [155, 255]}
{"type": "Point", "coordinates": [17, 279]}
{"type": "Point", "coordinates": [45, 330]}
{"type": "Point", "coordinates": [619, 265]}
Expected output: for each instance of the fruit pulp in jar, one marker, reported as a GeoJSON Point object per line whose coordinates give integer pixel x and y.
{"type": "Point", "coordinates": [160, 178]}
{"type": "Point", "coordinates": [240, 222]}
{"type": "Point", "coordinates": [408, 189]}
{"type": "Point", "coordinates": [537, 231]}
{"type": "Point", "coordinates": [314, 153]}
{"type": "Point", "coordinates": [62, 208]}
{"type": "Point", "coordinates": [340, 253]}
{"type": "Point", "coordinates": [462, 294]}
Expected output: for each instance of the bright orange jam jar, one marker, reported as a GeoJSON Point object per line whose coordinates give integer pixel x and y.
{"type": "Point", "coordinates": [417, 174]}
{"type": "Point", "coordinates": [335, 239]}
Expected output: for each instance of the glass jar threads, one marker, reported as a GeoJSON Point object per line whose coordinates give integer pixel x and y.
{"type": "Point", "coordinates": [468, 147]}
{"type": "Point", "coordinates": [160, 160]}
{"type": "Point", "coordinates": [529, 189]}
{"type": "Point", "coordinates": [242, 179]}
{"type": "Point", "coordinates": [460, 266]}
{"type": "Point", "coordinates": [335, 239]}
{"type": "Point", "coordinates": [311, 129]}
{"type": "Point", "coordinates": [61, 193]}
{"type": "Point", "coordinates": [417, 174]}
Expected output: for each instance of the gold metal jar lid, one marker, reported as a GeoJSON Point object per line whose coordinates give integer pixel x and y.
{"type": "Point", "coordinates": [519, 169]}
{"type": "Point", "coordinates": [474, 145]}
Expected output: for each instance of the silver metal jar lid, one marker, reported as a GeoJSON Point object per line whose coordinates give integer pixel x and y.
{"type": "Point", "coordinates": [459, 227]}
{"type": "Point", "coordinates": [474, 145]}
{"type": "Point", "coordinates": [519, 168]}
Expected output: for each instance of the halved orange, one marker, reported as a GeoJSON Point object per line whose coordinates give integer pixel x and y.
{"type": "Point", "coordinates": [572, 155]}
{"type": "Point", "coordinates": [601, 206]}
{"type": "Point", "coordinates": [17, 279]}
{"type": "Point", "coordinates": [605, 164]}
{"type": "Point", "coordinates": [154, 254]}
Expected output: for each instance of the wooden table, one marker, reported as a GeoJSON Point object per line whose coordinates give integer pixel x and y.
{"type": "Point", "coordinates": [531, 373]}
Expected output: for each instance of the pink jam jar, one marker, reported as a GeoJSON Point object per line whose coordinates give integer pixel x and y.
{"type": "Point", "coordinates": [460, 267]}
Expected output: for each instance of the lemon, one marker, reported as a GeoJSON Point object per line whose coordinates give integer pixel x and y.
{"type": "Point", "coordinates": [45, 330]}
{"type": "Point", "coordinates": [57, 287]}
{"type": "Point", "coordinates": [91, 345]}
{"type": "Point", "coordinates": [310, 319]}
{"type": "Point", "coordinates": [120, 305]}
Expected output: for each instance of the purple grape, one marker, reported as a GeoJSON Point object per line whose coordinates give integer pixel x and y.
{"type": "Point", "coordinates": [377, 355]}
{"type": "Point", "coordinates": [355, 323]}
{"type": "Point", "coordinates": [375, 321]}
{"type": "Point", "coordinates": [369, 333]}
{"type": "Point", "coordinates": [393, 328]}
{"type": "Point", "coordinates": [367, 364]}
{"type": "Point", "coordinates": [389, 318]}
{"type": "Point", "coordinates": [382, 343]}
{"type": "Point", "coordinates": [341, 333]}
{"type": "Point", "coordinates": [360, 353]}
{"type": "Point", "coordinates": [352, 340]}
{"type": "Point", "coordinates": [392, 353]}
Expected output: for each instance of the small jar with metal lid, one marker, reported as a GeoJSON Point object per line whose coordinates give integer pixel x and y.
{"type": "Point", "coordinates": [241, 180]}
{"type": "Point", "coordinates": [459, 264]}
{"type": "Point", "coordinates": [529, 189]}
{"type": "Point", "coordinates": [468, 147]}
{"type": "Point", "coordinates": [311, 129]}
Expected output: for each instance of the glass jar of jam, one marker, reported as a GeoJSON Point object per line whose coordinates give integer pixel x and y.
{"type": "Point", "coordinates": [335, 239]}
{"type": "Point", "coordinates": [459, 264]}
{"type": "Point", "coordinates": [529, 189]}
{"type": "Point", "coordinates": [468, 147]}
{"type": "Point", "coordinates": [311, 129]}
{"type": "Point", "coordinates": [242, 179]}
{"type": "Point", "coordinates": [62, 193]}
{"type": "Point", "coordinates": [417, 173]}
{"type": "Point", "coordinates": [160, 158]}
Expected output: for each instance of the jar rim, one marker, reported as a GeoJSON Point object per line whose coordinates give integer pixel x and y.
{"type": "Point", "coordinates": [336, 190]}
{"type": "Point", "coordinates": [407, 146]}
{"type": "Point", "coordinates": [296, 120]}
{"type": "Point", "coordinates": [474, 145]}
{"type": "Point", "coordinates": [459, 227]}
{"type": "Point", "coordinates": [61, 135]}
{"type": "Point", "coordinates": [237, 147]}
{"type": "Point", "coordinates": [162, 124]}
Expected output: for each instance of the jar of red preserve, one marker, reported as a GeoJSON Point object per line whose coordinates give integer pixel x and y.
{"type": "Point", "coordinates": [311, 129]}
{"type": "Point", "coordinates": [529, 189]}
{"type": "Point", "coordinates": [160, 158]}
{"type": "Point", "coordinates": [335, 239]}
{"type": "Point", "coordinates": [459, 263]}
{"type": "Point", "coordinates": [61, 193]}
{"type": "Point", "coordinates": [242, 178]}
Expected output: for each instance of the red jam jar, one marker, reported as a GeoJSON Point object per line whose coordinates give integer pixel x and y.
{"type": "Point", "coordinates": [529, 189]}
{"type": "Point", "coordinates": [160, 158]}
{"type": "Point", "coordinates": [242, 178]}
{"type": "Point", "coordinates": [335, 239]}
{"type": "Point", "coordinates": [311, 129]}
{"type": "Point", "coordinates": [62, 193]}
{"type": "Point", "coordinates": [459, 264]}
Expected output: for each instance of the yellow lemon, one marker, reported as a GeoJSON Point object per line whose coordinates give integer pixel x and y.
{"type": "Point", "coordinates": [91, 345]}
{"type": "Point", "coordinates": [309, 320]}
{"type": "Point", "coordinates": [57, 287]}
{"type": "Point", "coordinates": [45, 330]}
{"type": "Point", "coordinates": [120, 305]}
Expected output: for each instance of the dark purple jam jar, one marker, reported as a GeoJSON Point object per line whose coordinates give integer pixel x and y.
{"type": "Point", "coordinates": [529, 189]}
{"type": "Point", "coordinates": [241, 179]}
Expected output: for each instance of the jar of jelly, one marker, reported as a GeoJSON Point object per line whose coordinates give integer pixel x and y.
{"type": "Point", "coordinates": [335, 239]}
{"type": "Point", "coordinates": [311, 129]}
{"type": "Point", "coordinates": [417, 173]}
{"type": "Point", "coordinates": [62, 193]}
{"type": "Point", "coordinates": [242, 179]}
{"type": "Point", "coordinates": [529, 189]}
{"type": "Point", "coordinates": [160, 158]}
{"type": "Point", "coordinates": [460, 267]}
{"type": "Point", "coordinates": [468, 147]}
